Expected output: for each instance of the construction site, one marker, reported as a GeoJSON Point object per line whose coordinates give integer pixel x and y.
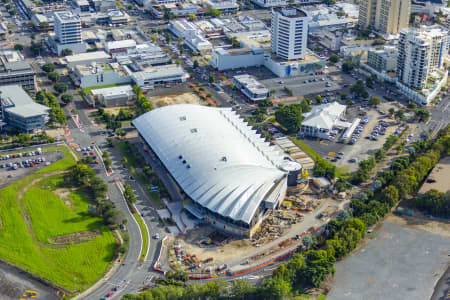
{"type": "Point", "coordinates": [206, 251]}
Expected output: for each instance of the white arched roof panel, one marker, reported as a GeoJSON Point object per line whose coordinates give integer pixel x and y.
{"type": "Point", "coordinates": [231, 168]}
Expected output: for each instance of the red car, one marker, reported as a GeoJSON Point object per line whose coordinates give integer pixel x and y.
{"type": "Point", "coordinates": [91, 153]}
{"type": "Point", "coordinates": [110, 294]}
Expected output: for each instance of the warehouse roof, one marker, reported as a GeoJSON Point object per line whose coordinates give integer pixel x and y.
{"type": "Point", "coordinates": [216, 158]}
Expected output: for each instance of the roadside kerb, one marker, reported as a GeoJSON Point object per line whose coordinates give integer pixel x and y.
{"type": "Point", "coordinates": [156, 265]}
{"type": "Point", "coordinates": [120, 187]}
{"type": "Point", "coordinates": [100, 156]}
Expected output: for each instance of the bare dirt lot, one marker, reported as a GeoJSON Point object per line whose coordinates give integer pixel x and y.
{"type": "Point", "coordinates": [185, 98]}
{"type": "Point", "coordinates": [404, 260]}
{"type": "Point", "coordinates": [440, 175]}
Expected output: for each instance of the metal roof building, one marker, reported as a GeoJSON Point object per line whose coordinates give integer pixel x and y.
{"type": "Point", "coordinates": [231, 174]}
{"type": "Point", "coordinates": [20, 110]}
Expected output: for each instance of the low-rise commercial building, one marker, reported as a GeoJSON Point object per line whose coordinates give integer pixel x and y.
{"type": "Point", "coordinates": [250, 87]}
{"type": "Point", "coordinates": [222, 59]}
{"type": "Point", "coordinates": [384, 59]}
{"type": "Point", "coordinates": [16, 71]}
{"type": "Point", "coordinates": [224, 6]}
{"type": "Point", "coordinates": [86, 58]}
{"type": "Point", "coordinates": [122, 95]}
{"type": "Point", "coordinates": [321, 120]}
{"type": "Point", "coordinates": [99, 74]}
{"type": "Point", "coordinates": [151, 76]}
{"type": "Point", "coordinates": [124, 47]}
{"type": "Point", "coordinates": [18, 110]}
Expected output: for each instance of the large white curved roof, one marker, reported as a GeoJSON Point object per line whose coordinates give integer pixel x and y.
{"type": "Point", "coordinates": [225, 165]}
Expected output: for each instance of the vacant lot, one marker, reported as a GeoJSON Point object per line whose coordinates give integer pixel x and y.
{"type": "Point", "coordinates": [185, 98]}
{"type": "Point", "coordinates": [404, 261]}
{"type": "Point", "coordinates": [439, 177]}
{"type": "Point", "coordinates": [46, 229]}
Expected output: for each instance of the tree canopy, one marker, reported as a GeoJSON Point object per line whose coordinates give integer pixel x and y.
{"type": "Point", "coordinates": [290, 117]}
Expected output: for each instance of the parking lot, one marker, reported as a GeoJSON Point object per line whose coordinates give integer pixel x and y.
{"type": "Point", "coordinates": [301, 85]}
{"type": "Point", "coordinates": [347, 155]}
{"type": "Point", "coordinates": [15, 165]}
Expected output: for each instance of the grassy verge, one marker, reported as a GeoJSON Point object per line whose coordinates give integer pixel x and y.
{"type": "Point", "coordinates": [144, 232]}
{"type": "Point", "coordinates": [132, 154]}
{"type": "Point", "coordinates": [306, 149]}
{"type": "Point", "coordinates": [41, 207]}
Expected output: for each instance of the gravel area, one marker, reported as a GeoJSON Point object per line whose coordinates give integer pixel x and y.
{"type": "Point", "coordinates": [401, 262]}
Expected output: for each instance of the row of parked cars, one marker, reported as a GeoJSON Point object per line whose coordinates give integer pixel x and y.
{"type": "Point", "coordinates": [380, 129]}
{"type": "Point", "coordinates": [28, 163]}
{"type": "Point", "coordinates": [358, 130]}
{"type": "Point", "coordinates": [25, 154]}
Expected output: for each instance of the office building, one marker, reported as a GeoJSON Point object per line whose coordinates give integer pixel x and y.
{"type": "Point", "coordinates": [16, 71]}
{"type": "Point", "coordinates": [383, 59]}
{"type": "Point", "coordinates": [68, 32]}
{"type": "Point", "coordinates": [420, 51]}
{"type": "Point", "coordinates": [384, 16]}
{"type": "Point", "coordinates": [289, 32]}
{"type": "Point", "coordinates": [18, 110]}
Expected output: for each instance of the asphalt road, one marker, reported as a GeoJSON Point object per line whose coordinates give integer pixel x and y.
{"type": "Point", "coordinates": [132, 274]}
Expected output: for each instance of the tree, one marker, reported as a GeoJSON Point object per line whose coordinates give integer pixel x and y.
{"type": "Point", "coordinates": [18, 47]}
{"type": "Point", "coordinates": [359, 89]}
{"type": "Point", "coordinates": [334, 58]}
{"type": "Point", "coordinates": [391, 111]}
{"type": "Point", "coordinates": [422, 114]}
{"type": "Point", "coordinates": [65, 98]}
{"type": "Point", "coordinates": [399, 115]}
{"type": "Point", "coordinates": [374, 100]}
{"type": "Point", "coordinates": [60, 87]}
{"type": "Point", "coordinates": [44, 26]}
{"type": "Point", "coordinates": [66, 52]}
{"type": "Point", "coordinates": [48, 67]}
{"type": "Point", "coordinates": [276, 288]}
{"type": "Point", "coordinates": [265, 103]}
{"type": "Point", "coordinates": [347, 66]}
{"type": "Point", "coordinates": [290, 117]}
{"type": "Point", "coordinates": [241, 288]}
{"type": "Point", "coordinates": [81, 174]}
{"type": "Point", "coordinates": [53, 76]}
{"type": "Point", "coordinates": [195, 65]}
{"type": "Point", "coordinates": [211, 78]}
{"type": "Point", "coordinates": [192, 17]}
{"type": "Point", "coordinates": [168, 37]}
{"type": "Point", "coordinates": [389, 195]}
{"type": "Point", "coordinates": [212, 12]}
{"type": "Point", "coordinates": [36, 48]}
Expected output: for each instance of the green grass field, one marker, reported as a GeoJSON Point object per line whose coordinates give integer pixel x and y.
{"type": "Point", "coordinates": [29, 245]}
{"type": "Point", "coordinates": [144, 232]}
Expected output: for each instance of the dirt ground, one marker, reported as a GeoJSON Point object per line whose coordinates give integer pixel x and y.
{"type": "Point", "coordinates": [440, 173]}
{"type": "Point", "coordinates": [236, 248]}
{"type": "Point", "coordinates": [423, 224]}
{"type": "Point", "coordinates": [186, 98]}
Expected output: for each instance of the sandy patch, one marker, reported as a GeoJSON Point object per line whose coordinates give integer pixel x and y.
{"type": "Point", "coordinates": [441, 174]}
{"type": "Point", "coordinates": [78, 237]}
{"type": "Point", "coordinates": [423, 224]}
{"type": "Point", "coordinates": [186, 98]}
